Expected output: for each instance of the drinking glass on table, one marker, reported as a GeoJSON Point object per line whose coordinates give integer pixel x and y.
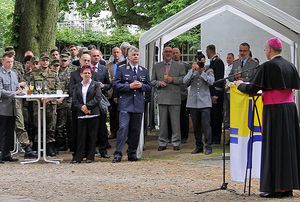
{"type": "Point", "coordinates": [38, 86]}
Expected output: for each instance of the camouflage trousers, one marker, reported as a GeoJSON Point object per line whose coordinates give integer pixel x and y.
{"type": "Point", "coordinates": [50, 121]}
{"type": "Point", "coordinates": [20, 130]}
{"type": "Point", "coordinates": [63, 123]}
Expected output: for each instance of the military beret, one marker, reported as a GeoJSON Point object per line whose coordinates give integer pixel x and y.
{"type": "Point", "coordinates": [9, 48]}
{"type": "Point", "coordinates": [44, 55]}
{"type": "Point", "coordinates": [34, 59]}
{"type": "Point", "coordinates": [64, 56]}
{"type": "Point", "coordinates": [54, 62]}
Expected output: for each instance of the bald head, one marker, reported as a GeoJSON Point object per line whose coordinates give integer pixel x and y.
{"type": "Point", "coordinates": [176, 54]}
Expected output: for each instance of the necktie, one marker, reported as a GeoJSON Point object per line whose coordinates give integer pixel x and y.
{"type": "Point", "coordinates": [242, 63]}
{"type": "Point", "coordinates": [134, 70]}
{"type": "Point", "coordinates": [167, 68]}
{"type": "Point", "coordinates": [94, 68]}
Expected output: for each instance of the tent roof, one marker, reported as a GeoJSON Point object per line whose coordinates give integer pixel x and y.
{"type": "Point", "coordinates": [257, 12]}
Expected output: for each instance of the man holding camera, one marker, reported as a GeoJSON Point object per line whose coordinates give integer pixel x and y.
{"type": "Point", "coordinates": [199, 101]}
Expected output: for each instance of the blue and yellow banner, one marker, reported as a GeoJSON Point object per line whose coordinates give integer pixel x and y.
{"type": "Point", "coordinates": [241, 117]}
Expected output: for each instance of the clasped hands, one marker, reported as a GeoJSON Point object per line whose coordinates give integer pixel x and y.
{"type": "Point", "coordinates": [135, 85]}
{"type": "Point", "coordinates": [167, 79]}
{"type": "Point", "coordinates": [85, 110]}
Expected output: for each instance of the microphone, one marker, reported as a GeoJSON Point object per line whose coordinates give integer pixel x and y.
{"type": "Point", "coordinates": [233, 75]}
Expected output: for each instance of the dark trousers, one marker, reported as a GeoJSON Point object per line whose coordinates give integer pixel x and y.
{"type": "Point", "coordinates": [7, 128]}
{"type": "Point", "coordinates": [129, 129]}
{"type": "Point", "coordinates": [201, 122]}
{"type": "Point", "coordinates": [184, 120]}
{"type": "Point", "coordinates": [102, 134]}
{"type": "Point", "coordinates": [86, 138]}
{"type": "Point", "coordinates": [227, 111]}
{"type": "Point", "coordinates": [73, 137]}
{"type": "Point", "coordinates": [113, 118]}
{"type": "Point", "coordinates": [216, 120]}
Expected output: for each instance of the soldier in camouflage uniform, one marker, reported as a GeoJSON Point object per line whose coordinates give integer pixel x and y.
{"type": "Point", "coordinates": [63, 123]}
{"type": "Point", "coordinates": [20, 129]}
{"type": "Point", "coordinates": [45, 74]}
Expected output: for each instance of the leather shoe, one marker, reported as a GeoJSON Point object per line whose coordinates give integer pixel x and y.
{"type": "Point", "coordinates": [104, 155]}
{"type": "Point", "coordinates": [208, 151]}
{"type": "Point", "coordinates": [88, 161]}
{"type": "Point", "coordinates": [132, 157]}
{"type": "Point", "coordinates": [161, 148]}
{"type": "Point", "coordinates": [276, 194]}
{"type": "Point", "coordinates": [73, 162]}
{"type": "Point", "coordinates": [50, 149]}
{"type": "Point", "coordinates": [176, 148]}
{"type": "Point", "coordinates": [197, 150]}
{"type": "Point", "coordinates": [117, 158]}
{"type": "Point", "coordinates": [9, 158]}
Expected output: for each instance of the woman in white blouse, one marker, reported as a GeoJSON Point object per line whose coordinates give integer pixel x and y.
{"type": "Point", "coordinates": [86, 98]}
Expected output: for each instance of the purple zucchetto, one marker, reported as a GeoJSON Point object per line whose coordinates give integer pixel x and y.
{"type": "Point", "coordinates": [275, 43]}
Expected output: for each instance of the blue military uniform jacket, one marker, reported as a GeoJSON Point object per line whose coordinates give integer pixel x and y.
{"type": "Point", "coordinates": [131, 100]}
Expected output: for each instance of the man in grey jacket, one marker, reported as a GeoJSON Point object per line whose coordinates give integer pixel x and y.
{"type": "Point", "coordinates": [9, 86]}
{"type": "Point", "coordinates": [166, 78]}
{"type": "Point", "coordinates": [199, 101]}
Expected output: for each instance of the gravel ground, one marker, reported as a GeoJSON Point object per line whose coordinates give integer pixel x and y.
{"type": "Point", "coordinates": [161, 176]}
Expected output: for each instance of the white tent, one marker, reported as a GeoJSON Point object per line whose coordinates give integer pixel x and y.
{"type": "Point", "coordinates": [257, 12]}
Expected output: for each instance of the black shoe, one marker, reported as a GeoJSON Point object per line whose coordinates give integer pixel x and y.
{"type": "Point", "coordinates": [161, 148]}
{"type": "Point", "coordinates": [50, 149]}
{"type": "Point", "coordinates": [117, 158]}
{"type": "Point", "coordinates": [276, 194]}
{"type": "Point", "coordinates": [197, 150]}
{"type": "Point", "coordinates": [176, 148]}
{"type": "Point", "coordinates": [88, 161]}
{"type": "Point", "coordinates": [10, 159]}
{"type": "Point", "coordinates": [208, 151]}
{"type": "Point", "coordinates": [104, 155]}
{"type": "Point", "coordinates": [29, 153]}
{"type": "Point", "coordinates": [183, 141]}
{"type": "Point", "coordinates": [73, 162]}
{"type": "Point", "coordinates": [132, 157]}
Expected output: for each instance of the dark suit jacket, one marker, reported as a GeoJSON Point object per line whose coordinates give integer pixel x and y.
{"type": "Point", "coordinates": [218, 66]}
{"type": "Point", "coordinates": [93, 98]}
{"type": "Point", "coordinates": [103, 76]}
{"type": "Point", "coordinates": [131, 100]}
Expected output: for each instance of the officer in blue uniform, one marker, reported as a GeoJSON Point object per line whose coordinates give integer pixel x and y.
{"type": "Point", "coordinates": [131, 81]}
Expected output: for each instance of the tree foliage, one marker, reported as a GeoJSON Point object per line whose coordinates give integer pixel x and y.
{"type": "Point", "coordinates": [67, 37]}
{"type": "Point", "coordinates": [6, 8]}
{"type": "Point", "coordinates": [144, 13]}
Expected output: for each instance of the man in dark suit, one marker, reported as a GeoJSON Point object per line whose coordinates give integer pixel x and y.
{"type": "Point", "coordinates": [167, 78]}
{"type": "Point", "coordinates": [9, 86]}
{"type": "Point", "coordinates": [217, 94]}
{"type": "Point", "coordinates": [131, 81]}
{"type": "Point", "coordinates": [103, 78]}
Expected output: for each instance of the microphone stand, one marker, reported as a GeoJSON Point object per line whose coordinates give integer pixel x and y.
{"type": "Point", "coordinates": [224, 183]}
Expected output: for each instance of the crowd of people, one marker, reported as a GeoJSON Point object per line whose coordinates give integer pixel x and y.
{"type": "Point", "coordinates": [199, 91]}
{"type": "Point", "coordinates": [171, 79]}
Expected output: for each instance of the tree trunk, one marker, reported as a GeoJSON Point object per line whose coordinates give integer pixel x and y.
{"type": "Point", "coordinates": [35, 26]}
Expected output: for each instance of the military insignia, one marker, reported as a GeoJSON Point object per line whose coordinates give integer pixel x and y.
{"type": "Point", "coordinates": [128, 67]}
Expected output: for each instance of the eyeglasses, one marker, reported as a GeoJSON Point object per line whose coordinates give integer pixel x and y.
{"type": "Point", "coordinates": [86, 72]}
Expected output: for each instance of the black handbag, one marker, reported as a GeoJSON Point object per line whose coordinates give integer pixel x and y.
{"type": "Point", "coordinates": [104, 104]}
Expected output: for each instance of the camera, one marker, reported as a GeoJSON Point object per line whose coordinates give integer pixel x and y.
{"type": "Point", "coordinates": [199, 55]}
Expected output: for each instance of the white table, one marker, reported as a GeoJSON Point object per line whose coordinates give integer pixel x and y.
{"type": "Point", "coordinates": [41, 98]}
